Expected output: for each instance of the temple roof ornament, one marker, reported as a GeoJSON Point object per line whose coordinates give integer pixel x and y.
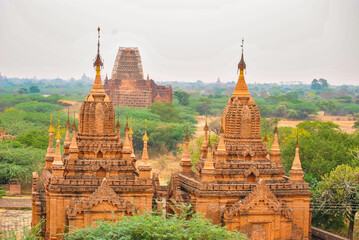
{"type": "Point", "coordinates": [296, 172]}
{"type": "Point", "coordinates": [98, 61]}
{"type": "Point", "coordinates": [51, 128]}
{"type": "Point", "coordinates": [241, 88]}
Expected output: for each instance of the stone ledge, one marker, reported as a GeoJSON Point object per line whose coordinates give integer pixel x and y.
{"type": "Point", "coordinates": [15, 202]}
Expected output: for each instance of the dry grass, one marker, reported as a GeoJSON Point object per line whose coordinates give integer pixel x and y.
{"type": "Point", "coordinates": [346, 124]}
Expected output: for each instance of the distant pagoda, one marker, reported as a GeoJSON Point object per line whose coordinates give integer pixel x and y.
{"type": "Point", "coordinates": [127, 86]}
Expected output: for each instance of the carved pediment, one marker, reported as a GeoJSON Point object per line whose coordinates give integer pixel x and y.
{"type": "Point", "coordinates": [261, 199]}
{"type": "Point", "coordinates": [104, 193]}
{"type": "Point", "coordinates": [251, 170]}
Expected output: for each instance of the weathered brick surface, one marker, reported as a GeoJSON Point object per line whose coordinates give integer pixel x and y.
{"type": "Point", "coordinates": [127, 86]}
{"type": "Point", "coordinates": [15, 202]}
{"type": "Point", "coordinates": [239, 183]}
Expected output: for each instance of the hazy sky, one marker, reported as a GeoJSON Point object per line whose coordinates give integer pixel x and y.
{"type": "Point", "coordinates": [184, 40]}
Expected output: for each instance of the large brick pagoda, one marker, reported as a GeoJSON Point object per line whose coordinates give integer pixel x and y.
{"type": "Point", "coordinates": [96, 177]}
{"type": "Point", "coordinates": [127, 86]}
{"type": "Point", "coordinates": [239, 183]}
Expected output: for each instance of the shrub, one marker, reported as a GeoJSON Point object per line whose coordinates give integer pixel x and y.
{"type": "Point", "coordinates": [152, 225]}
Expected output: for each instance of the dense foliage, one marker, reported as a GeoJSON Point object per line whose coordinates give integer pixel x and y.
{"type": "Point", "coordinates": [155, 226]}
{"type": "Point", "coordinates": [338, 195]}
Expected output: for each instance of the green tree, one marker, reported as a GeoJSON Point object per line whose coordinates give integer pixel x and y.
{"type": "Point", "coordinates": [155, 226]}
{"type": "Point", "coordinates": [338, 193]}
{"type": "Point", "coordinates": [204, 106]}
{"type": "Point", "coordinates": [166, 111]}
{"type": "Point", "coordinates": [34, 89]}
{"type": "Point", "coordinates": [183, 97]}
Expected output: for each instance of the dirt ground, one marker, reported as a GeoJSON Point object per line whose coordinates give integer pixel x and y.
{"type": "Point", "coordinates": [73, 106]}
{"type": "Point", "coordinates": [346, 124]}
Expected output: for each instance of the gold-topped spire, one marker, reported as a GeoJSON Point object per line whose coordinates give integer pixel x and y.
{"type": "Point", "coordinates": [98, 64]}
{"type": "Point", "coordinates": [51, 128]}
{"type": "Point", "coordinates": [206, 125]}
{"type": "Point", "coordinates": [74, 128]}
{"type": "Point", "coordinates": [68, 124]}
{"type": "Point", "coordinates": [145, 137]}
{"type": "Point", "coordinates": [126, 127]}
{"type": "Point", "coordinates": [130, 130]}
{"type": "Point", "coordinates": [58, 135]}
{"type": "Point", "coordinates": [296, 172]}
{"type": "Point", "coordinates": [241, 87]}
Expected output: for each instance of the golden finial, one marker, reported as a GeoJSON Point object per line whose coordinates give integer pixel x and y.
{"type": "Point", "coordinates": [241, 64]}
{"type": "Point", "coordinates": [68, 124]}
{"type": "Point", "coordinates": [58, 135]}
{"type": "Point", "coordinates": [98, 64]}
{"type": "Point", "coordinates": [74, 128]}
{"type": "Point", "coordinates": [126, 127]}
{"type": "Point", "coordinates": [206, 125]}
{"type": "Point", "coordinates": [145, 137]}
{"type": "Point", "coordinates": [130, 131]}
{"type": "Point", "coordinates": [51, 129]}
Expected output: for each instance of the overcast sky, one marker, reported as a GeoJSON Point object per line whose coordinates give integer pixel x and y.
{"type": "Point", "coordinates": [184, 40]}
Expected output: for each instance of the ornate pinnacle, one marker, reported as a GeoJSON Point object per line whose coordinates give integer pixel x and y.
{"type": "Point", "coordinates": [118, 125]}
{"type": "Point", "coordinates": [145, 137]}
{"type": "Point", "coordinates": [58, 135]}
{"type": "Point", "coordinates": [74, 128]}
{"type": "Point", "coordinates": [206, 125]}
{"type": "Point", "coordinates": [126, 127]}
{"type": "Point", "coordinates": [242, 64]}
{"type": "Point", "coordinates": [68, 124]}
{"type": "Point", "coordinates": [98, 62]}
{"type": "Point", "coordinates": [51, 128]}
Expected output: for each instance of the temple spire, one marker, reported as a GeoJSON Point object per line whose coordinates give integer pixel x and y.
{"type": "Point", "coordinates": [73, 144]}
{"type": "Point", "coordinates": [186, 162]}
{"type": "Point", "coordinates": [205, 139]}
{"type": "Point", "coordinates": [296, 173]}
{"type": "Point", "coordinates": [68, 136]}
{"type": "Point", "coordinates": [127, 144]}
{"type": "Point", "coordinates": [57, 158]}
{"type": "Point", "coordinates": [98, 65]}
{"type": "Point", "coordinates": [275, 151]}
{"type": "Point", "coordinates": [145, 152]}
{"type": "Point", "coordinates": [50, 153]}
{"type": "Point", "coordinates": [130, 135]}
{"type": "Point", "coordinates": [241, 87]}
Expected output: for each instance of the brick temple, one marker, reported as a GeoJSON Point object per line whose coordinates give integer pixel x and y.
{"type": "Point", "coordinates": [96, 176]}
{"type": "Point", "coordinates": [127, 86]}
{"type": "Point", "coordinates": [239, 183]}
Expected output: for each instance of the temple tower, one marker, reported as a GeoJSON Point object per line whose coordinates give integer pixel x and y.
{"type": "Point", "coordinates": [239, 183]}
{"type": "Point", "coordinates": [127, 86]}
{"type": "Point", "coordinates": [96, 177]}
